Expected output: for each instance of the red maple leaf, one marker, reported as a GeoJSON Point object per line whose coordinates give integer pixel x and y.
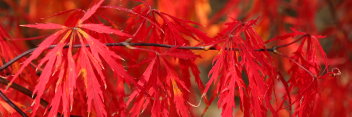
{"type": "Point", "coordinates": [66, 67]}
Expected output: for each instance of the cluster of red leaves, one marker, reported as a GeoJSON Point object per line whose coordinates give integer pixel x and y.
{"type": "Point", "coordinates": [153, 81]}
{"type": "Point", "coordinates": [8, 51]}
{"type": "Point", "coordinates": [65, 67]}
{"type": "Point", "coordinates": [229, 68]}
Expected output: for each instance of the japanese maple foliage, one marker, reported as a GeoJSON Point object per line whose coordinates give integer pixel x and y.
{"type": "Point", "coordinates": [140, 58]}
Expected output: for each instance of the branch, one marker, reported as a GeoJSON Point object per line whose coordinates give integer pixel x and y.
{"type": "Point", "coordinates": [14, 106]}
{"type": "Point", "coordinates": [23, 90]}
{"type": "Point", "coordinates": [7, 64]}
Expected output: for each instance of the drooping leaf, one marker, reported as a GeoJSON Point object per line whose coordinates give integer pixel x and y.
{"type": "Point", "coordinates": [91, 11]}
{"type": "Point", "coordinates": [41, 47]}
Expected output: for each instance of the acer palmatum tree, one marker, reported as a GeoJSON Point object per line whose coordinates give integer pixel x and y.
{"type": "Point", "coordinates": [127, 58]}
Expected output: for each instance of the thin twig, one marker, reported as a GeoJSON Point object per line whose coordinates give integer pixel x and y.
{"type": "Point", "coordinates": [23, 90]}
{"type": "Point", "coordinates": [14, 106]}
{"type": "Point", "coordinates": [298, 64]}
{"type": "Point", "coordinates": [295, 41]}
{"type": "Point", "coordinates": [27, 92]}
